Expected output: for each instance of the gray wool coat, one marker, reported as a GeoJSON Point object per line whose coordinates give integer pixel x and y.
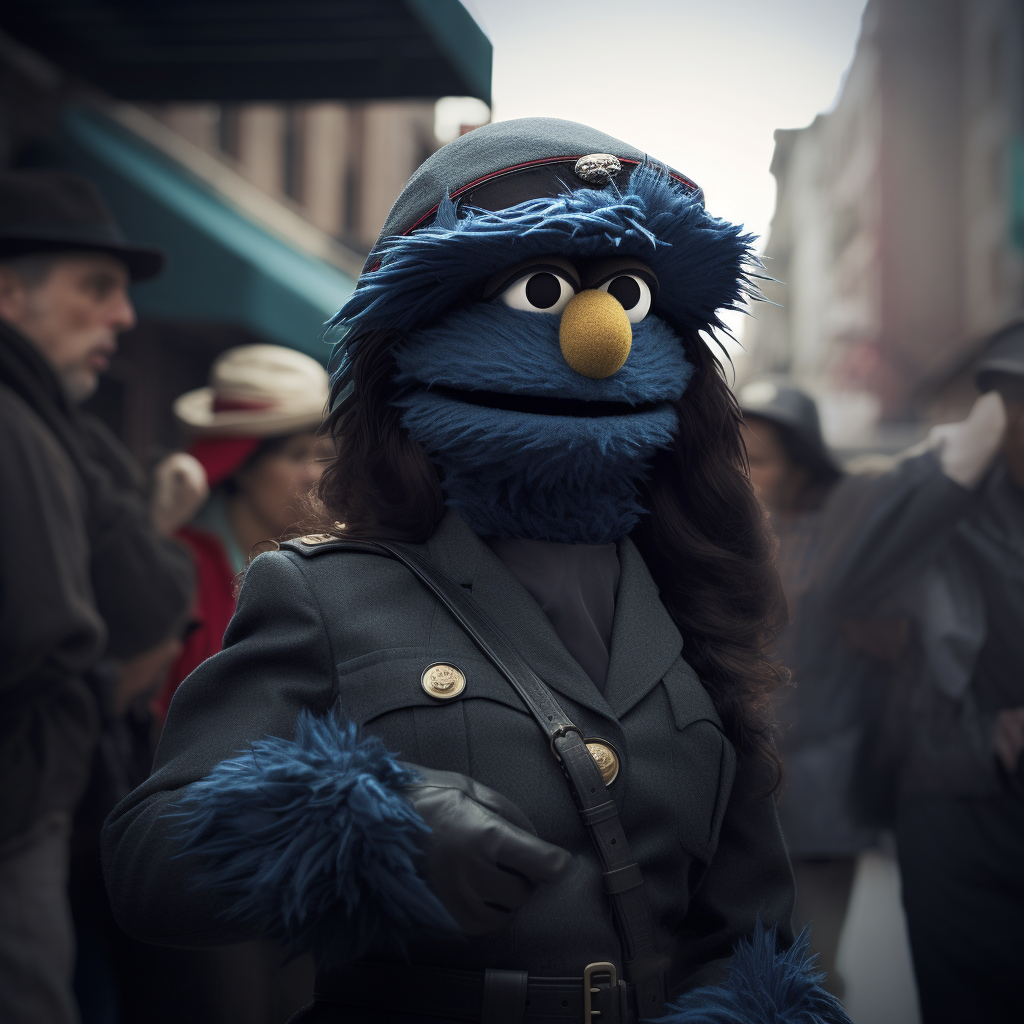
{"type": "Point", "coordinates": [317, 627]}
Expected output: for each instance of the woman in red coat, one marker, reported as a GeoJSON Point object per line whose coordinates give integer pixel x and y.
{"type": "Point", "coordinates": [253, 429]}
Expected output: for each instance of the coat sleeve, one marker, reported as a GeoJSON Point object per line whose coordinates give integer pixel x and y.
{"type": "Point", "coordinates": [275, 664]}
{"type": "Point", "coordinates": [49, 620]}
{"type": "Point", "coordinates": [142, 580]}
{"type": "Point", "coordinates": [748, 880]}
{"type": "Point", "coordinates": [878, 531]}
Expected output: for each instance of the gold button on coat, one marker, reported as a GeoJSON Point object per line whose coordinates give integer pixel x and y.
{"type": "Point", "coordinates": [605, 757]}
{"type": "Point", "coordinates": [443, 681]}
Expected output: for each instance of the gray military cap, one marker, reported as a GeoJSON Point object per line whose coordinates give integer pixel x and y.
{"type": "Point", "coordinates": [503, 164]}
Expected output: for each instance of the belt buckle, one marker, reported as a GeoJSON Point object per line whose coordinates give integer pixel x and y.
{"type": "Point", "coordinates": [589, 988]}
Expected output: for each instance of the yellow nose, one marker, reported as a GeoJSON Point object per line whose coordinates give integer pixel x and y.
{"type": "Point", "coordinates": [595, 334]}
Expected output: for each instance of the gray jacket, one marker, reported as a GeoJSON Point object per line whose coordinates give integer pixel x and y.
{"type": "Point", "coordinates": [843, 566]}
{"type": "Point", "coordinates": [316, 629]}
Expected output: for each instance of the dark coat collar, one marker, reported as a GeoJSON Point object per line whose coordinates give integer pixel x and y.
{"type": "Point", "coordinates": [25, 370]}
{"type": "Point", "coordinates": [645, 641]}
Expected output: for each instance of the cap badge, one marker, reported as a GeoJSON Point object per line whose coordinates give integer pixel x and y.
{"type": "Point", "coordinates": [597, 168]}
{"type": "Point", "coordinates": [442, 681]}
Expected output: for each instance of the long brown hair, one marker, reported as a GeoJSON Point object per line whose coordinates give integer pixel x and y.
{"type": "Point", "coordinates": [706, 541]}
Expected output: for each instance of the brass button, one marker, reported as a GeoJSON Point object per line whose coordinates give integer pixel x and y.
{"type": "Point", "coordinates": [605, 757]}
{"type": "Point", "coordinates": [443, 681]}
{"type": "Point", "coordinates": [312, 539]}
{"type": "Point", "coordinates": [597, 168]}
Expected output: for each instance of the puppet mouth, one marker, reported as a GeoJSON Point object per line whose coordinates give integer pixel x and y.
{"type": "Point", "coordinates": [544, 406]}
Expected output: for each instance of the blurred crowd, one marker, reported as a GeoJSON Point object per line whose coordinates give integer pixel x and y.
{"type": "Point", "coordinates": [905, 586]}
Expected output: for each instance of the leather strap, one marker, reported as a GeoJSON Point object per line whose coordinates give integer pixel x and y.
{"type": "Point", "coordinates": [451, 995]}
{"type": "Point", "coordinates": [643, 965]}
{"type": "Point", "coordinates": [504, 999]}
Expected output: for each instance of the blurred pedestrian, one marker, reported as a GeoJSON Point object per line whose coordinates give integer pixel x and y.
{"type": "Point", "coordinates": [84, 575]}
{"type": "Point", "coordinates": [823, 715]}
{"type": "Point", "coordinates": [253, 431]}
{"type": "Point", "coordinates": [935, 542]}
{"type": "Point", "coordinates": [851, 547]}
{"type": "Point", "coordinates": [960, 823]}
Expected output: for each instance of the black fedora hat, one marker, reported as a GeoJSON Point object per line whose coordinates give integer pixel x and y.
{"type": "Point", "coordinates": [55, 211]}
{"type": "Point", "coordinates": [1004, 356]}
{"type": "Point", "coordinates": [796, 413]}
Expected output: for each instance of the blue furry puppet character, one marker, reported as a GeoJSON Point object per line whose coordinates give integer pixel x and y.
{"type": "Point", "coordinates": [523, 396]}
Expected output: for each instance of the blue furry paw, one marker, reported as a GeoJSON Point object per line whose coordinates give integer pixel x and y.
{"type": "Point", "coordinates": [765, 986]}
{"type": "Point", "coordinates": [314, 841]}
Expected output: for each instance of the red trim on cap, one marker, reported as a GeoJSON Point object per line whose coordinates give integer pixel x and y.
{"type": "Point", "coordinates": [533, 163]}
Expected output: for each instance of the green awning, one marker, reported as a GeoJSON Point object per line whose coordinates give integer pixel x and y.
{"type": "Point", "coordinates": [230, 50]}
{"type": "Point", "coordinates": [222, 266]}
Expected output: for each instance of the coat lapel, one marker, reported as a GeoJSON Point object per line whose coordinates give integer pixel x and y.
{"type": "Point", "coordinates": [470, 562]}
{"type": "Point", "coordinates": [645, 640]}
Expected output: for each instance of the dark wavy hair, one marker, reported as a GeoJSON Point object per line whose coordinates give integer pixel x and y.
{"type": "Point", "coordinates": [705, 541]}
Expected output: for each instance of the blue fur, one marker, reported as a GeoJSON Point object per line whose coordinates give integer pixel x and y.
{"type": "Point", "coordinates": [765, 986]}
{"type": "Point", "coordinates": [315, 842]}
{"type": "Point", "coordinates": [561, 478]}
{"type": "Point", "coordinates": [490, 347]}
{"type": "Point", "coordinates": [703, 264]}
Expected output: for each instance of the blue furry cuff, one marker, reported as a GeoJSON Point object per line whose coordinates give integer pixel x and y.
{"type": "Point", "coordinates": [314, 841]}
{"type": "Point", "coordinates": [765, 986]}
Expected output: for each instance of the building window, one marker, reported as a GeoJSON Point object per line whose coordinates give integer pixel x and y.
{"type": "Point", "coordinates": [996, 272]}
{"type": "Point", "coordinates": [995, 67]}
{"type": "Point", "coordinates": [997, 173]}
{"type": "Point", "coordinates": [845, 227]}
{"type": "Point", "coordinates": [292, 152]}
{"type": "Point", "coordinates": [229, 130]}
{"type": "Point", "coordinates": [351, 182]}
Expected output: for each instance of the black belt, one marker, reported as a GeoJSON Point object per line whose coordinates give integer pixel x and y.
{"type": "Point", "coordinates": [490, 997]}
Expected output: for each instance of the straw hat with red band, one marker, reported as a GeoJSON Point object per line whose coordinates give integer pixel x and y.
{"type": "Point", "coordinates": [256, 391]}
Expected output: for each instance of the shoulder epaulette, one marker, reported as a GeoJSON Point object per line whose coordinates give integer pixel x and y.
{"type": "Point", "coordinates": [316, 544]}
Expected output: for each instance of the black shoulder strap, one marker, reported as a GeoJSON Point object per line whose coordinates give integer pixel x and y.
{"type": "Point", "coordinates": [623, 881]}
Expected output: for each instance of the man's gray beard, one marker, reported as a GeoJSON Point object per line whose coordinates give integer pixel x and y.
{"type": "Point", "coordinates": [79, 383]}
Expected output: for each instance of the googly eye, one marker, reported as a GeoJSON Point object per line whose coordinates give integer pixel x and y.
{"type": "Point", "coordinates": [633, 292]}
{"type": "Point", "coordinates": [539, 292]}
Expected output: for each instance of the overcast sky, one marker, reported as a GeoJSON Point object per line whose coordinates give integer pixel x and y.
{"type": "Point", "coordinates": [700, 85]}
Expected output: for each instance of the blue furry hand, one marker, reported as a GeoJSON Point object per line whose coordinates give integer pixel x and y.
{"type": "Point", "coordinates": [316, 841]}
{"type": "Point", "coordinates": [765, 986]}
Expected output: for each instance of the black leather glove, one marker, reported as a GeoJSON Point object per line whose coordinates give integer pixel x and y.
{"type": "Point", "coordinates": [483, 857]}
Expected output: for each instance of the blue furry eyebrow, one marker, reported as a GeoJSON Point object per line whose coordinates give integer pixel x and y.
{"type": "Point", "coordinates": [519, 271]}
{"type": "Point", "coordinates": [704, 264]}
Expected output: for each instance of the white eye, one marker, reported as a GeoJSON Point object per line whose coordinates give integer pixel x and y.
{"type": "Point", "coordinates": [539, 292]}
{"type": "Point", "coordinates": [633, 292]}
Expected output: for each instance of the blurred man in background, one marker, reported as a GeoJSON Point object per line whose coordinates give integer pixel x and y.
{"type": "Point", "coordinates": [84, 575]}
{"type": "Point", "coordinates": [906, 591]}
{"type": "Point", "coordinates": [960, 822]}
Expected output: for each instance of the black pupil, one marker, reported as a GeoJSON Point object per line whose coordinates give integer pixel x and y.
{"type": "Point", "coordinates": [543, 290]}
{"type": "Point", "coordinates": [626, 290]}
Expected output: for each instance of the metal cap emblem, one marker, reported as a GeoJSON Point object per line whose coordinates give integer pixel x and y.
{"type": "Point", "coordinates": [443, 681]}
{"type": "Point", "coordinates": [597, 168]}
{"type": "Point", "coordinates": [605, 757]}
